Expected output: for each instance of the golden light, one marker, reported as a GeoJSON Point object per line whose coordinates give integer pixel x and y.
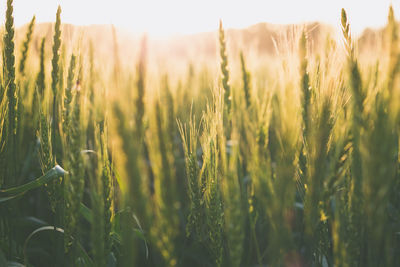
{"type": "Point", "coordinates": [164, 17]}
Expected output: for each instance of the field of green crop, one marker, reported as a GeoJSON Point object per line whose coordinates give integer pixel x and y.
{"type": "Point", "coordinates": [294, 164]}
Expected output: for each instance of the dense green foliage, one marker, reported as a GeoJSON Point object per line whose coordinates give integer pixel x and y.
{"type": "Point", "coordinates": [292, 165]}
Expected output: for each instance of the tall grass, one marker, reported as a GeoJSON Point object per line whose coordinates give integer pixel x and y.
{"type": "Point", "coordinates": [293, 164]}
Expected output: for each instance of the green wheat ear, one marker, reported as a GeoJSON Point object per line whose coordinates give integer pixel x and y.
{"type": "Point", "coordinates": [75, 181]}
{"type": "Point", "coordinates": [41, 77]}
{"type": "Point", "coordinates": [11, 88]}
{"type": "Point", "coordinates": [224, 68]}
{"type": "Point", "coordinates": [39, 89]}
{"type": "Point", "coordinates": [68, 94]}
{"type": "Point", "coordinates": [55, 77]}
{"type": "Point", "coordinates": [56, 52]}
{"type": "Point", "coordinates": [246, 80]}
{"type": "Point", "coordinates": [354, 71]}
{"type": "Point", "coordinates": [141, 73]}
{"type": "Point", "coordinates": [305, 92]}
{"type": "Point", "coordinates": [305, 83]}
{"type": "Point", "coordinates": [357, 123]}
{"type": "Point", "coordinates": [393, 39]}
{"type": "Point", "coordinates": [25, 46]}
{"type": "Point", "coordinates": [196, 215]}
{"type": "Point", "coordinates": [347, 35]}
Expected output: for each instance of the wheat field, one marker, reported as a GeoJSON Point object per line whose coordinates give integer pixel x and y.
{"type": "Point", "coordinates": [290, 160]}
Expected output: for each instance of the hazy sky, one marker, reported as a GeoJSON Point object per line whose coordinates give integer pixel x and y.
{"type": "Point", "coordinates": [189, 16]}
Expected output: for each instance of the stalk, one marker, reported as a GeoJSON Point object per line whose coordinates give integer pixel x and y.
{"type": "Point", "coordinates": [133, 197]}
{"type": "Point", "coordinates": [166, 197]}
{"type": "Point", "coordinates": [101, 197]}
{"type": "Point", "coordinates": [356, 196]}
{"type": "Point", "coordinates": [317, 177]}
{"type": "Point", "coordinates": [74, 181]}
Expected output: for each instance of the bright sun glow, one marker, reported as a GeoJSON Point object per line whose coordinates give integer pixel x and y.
{"type": "Point", "coordinates": [163, 17]}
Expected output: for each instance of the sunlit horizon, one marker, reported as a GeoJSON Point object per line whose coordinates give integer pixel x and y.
{"type": "Point", "coordinates": [163, 18]}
